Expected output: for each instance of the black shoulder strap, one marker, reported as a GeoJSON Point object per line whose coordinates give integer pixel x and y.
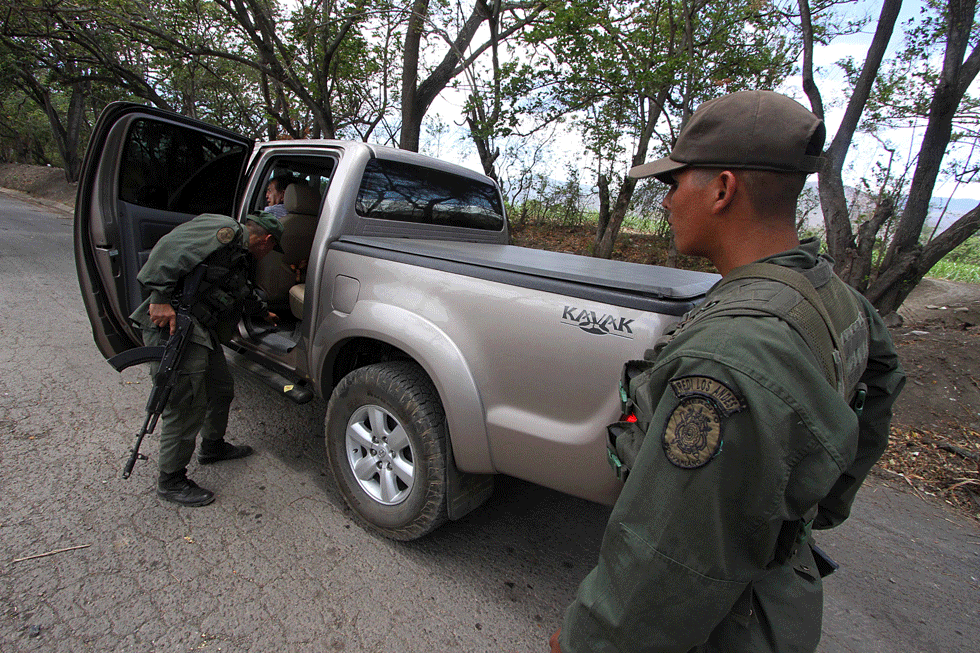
{"type": "Point", "coordinates": [822, 342]}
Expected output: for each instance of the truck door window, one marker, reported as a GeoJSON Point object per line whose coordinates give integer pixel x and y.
{"type": "Point", "coordinates": [173, 168]}
{"type": "Point", "coordinates": [391, 190]}
{"type": "Point", "coordinates": [312, 171]}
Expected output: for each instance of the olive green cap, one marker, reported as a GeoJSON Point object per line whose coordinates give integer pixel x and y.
{"type": "Point", "coordinates": [270, 223]}
{"type": "Point", "coordinates": [748, 130]}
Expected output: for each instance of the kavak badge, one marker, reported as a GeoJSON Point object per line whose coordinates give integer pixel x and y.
{"type": "Point", "coordinates": [693, 433]}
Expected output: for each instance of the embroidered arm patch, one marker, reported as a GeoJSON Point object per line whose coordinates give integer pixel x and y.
{"type": "Point", "coordinates": [225, 235]}
{"type": "Point", "coordinates": [692, 436]}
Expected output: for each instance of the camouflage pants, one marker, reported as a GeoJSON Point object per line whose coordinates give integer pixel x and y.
{"type": "Point", "coordinates": [199, 402]}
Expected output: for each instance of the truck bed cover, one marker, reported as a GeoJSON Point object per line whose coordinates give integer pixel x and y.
{"type": "Point", "coordinates": [644, 287]}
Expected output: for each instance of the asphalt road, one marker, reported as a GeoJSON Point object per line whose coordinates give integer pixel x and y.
{"type": "Point", "coordinates": [276, 564]}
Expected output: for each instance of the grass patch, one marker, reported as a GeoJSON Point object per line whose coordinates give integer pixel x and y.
{"type": "Point", "coordinates": [956, 271]}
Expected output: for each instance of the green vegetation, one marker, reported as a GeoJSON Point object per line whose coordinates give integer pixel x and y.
{"type": "Point", "coordinates": [956, 271]}
{"type": "Point", "coordinates": [962, 264]}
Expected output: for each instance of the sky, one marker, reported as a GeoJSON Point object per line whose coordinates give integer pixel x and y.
{"type": "Point", "coordinates": [862, 155]}
{"type": "Point", "coordinates": [866, 150]}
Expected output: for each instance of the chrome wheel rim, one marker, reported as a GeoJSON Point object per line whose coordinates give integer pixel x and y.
{"type": "Point", "coordinates": [380, 455]}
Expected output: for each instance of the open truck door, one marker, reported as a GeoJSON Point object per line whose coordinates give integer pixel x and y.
{"type": "Point", "coordinates": [146, 171]}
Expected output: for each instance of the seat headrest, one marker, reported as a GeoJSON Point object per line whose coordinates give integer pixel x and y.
{"type": "Point", "coordinates": [302, 199]}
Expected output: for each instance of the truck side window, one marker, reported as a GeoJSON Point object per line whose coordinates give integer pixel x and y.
{"type": "Point", "coordinates": [391, 190]}
{"type": "Point", "coordinates": [314, 172]}
{"type": "Point", "coordinates": [173, 168]}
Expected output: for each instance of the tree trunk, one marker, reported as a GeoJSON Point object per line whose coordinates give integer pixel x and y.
{"type": "Point", "coordinates": [604, 248]}
{"type": "Point", "coordinates": [417, 96]}
{"type": "Point", "coordinates": [74, 122]}
{"type": "Point", "coordinates": [603, 221]}
{"type": "Point", "coordinates": [836, 212]}
{"type": "Point", "coordinates": [894, 283]}
{"type": "Point", "coordinates": [949, 92]}
{"type": "Point", "coordinates": [66, 138]}
{"type": "Point", "coordinates": [906, 261]}
{"type": "Point", "coordinates": [479, 132]}
{"type": "Point", "coordinates": [607, 240]}
{"type": "Point", "coordinates": [411, 122]}
{"type": "Point", "coordinates": [859, 264]}
{"type": "Point", "coordinates": [672, 252]}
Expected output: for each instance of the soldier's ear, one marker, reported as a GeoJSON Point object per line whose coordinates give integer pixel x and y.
{"type": "Point", "coordinates": [724, 188]}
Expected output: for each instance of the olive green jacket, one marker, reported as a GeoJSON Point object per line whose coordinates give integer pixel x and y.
{"type": "Point", "coordinates": [687, 559]}
{"type": "Point", "coordinates": [176, 254]}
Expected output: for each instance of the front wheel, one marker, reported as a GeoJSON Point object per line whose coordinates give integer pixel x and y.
{"type": "Point", "coordinates": [386, 443]}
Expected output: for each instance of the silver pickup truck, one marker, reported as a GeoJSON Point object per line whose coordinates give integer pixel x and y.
{"type": "Point", "coordinates": [446, 354]}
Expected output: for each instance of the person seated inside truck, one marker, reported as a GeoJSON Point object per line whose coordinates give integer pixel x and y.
{"type": "Point", "coordinates": [275, 194]}
{"type": "Point", "coordinates": [280, 271]}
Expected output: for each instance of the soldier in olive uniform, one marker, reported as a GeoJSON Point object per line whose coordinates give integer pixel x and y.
{"type": "Point", "coordinates": [200, 401]}
{"type": "Point", "coordinates": [752, 431]}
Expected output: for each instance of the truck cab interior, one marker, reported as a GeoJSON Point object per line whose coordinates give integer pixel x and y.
{"type": "Point", "coordinates": [282, 275]}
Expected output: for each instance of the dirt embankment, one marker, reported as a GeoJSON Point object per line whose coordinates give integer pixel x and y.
{"type": "Point", "coordinates": [935, 446]}
{"type": "Point", "coordinates": [935, 443]}
{"type": "Point", "coordinates": [40, 181]}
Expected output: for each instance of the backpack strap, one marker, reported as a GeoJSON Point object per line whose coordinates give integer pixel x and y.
{"type": "Point", "coordinates": [817, 330]}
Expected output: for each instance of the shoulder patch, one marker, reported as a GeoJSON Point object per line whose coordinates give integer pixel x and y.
{"type": "Point", "coordinates": [225, 235]}
{"type": "Point", "coordinates": [705, 386]}
{"type": "Point", "coordinates": [692, 436]}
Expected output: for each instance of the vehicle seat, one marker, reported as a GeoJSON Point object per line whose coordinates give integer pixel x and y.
{"type": "Point", "coordinates": [279, 271]}
{"type": "Point", "coordinates": [296, 296]}
{"type": "Point", "coordinates": [299, 225]}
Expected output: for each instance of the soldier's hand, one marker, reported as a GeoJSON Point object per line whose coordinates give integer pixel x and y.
{"type": "Point", "coordinates": [555, 646]}
{"type": "Point", "coordinates": [272, 318]}
{"type": "Point", "coordinates": [164, 315]}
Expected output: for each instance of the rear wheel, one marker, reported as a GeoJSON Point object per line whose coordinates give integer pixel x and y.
{"type": "Point", "coordinates": [386, 442]}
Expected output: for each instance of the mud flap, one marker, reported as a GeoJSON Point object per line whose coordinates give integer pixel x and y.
{"type": "Point", "coordinates": [464, 492]}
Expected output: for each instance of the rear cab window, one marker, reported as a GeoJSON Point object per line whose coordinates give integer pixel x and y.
{"type": "Point", "coordinates": [401, 192]}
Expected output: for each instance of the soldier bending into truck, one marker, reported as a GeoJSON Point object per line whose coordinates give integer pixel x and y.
{"type": "Point", "coordinates": [201, 399]}
{"type": "Point", "coordinates": [758, 416]}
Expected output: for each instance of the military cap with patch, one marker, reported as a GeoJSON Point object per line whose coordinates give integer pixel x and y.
{"type": "Point", "coordinates": [748, 130]}
{"type": "Point", "coordinates": [270, 223]}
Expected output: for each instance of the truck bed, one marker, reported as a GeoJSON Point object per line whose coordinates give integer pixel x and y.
{"type": "Point", "coordinates": [668, 291]}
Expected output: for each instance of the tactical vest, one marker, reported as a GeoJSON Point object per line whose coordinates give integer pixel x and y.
{"type": "Point", "coordinates": [820, 307]}
{"type": "Point", "coordinates": [225, 292]}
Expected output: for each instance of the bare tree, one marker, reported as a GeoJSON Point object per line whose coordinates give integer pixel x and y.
{"type": "Point", "coordinates": [906, 260]}
{"type": "Point", "coordinates": [420, 88]}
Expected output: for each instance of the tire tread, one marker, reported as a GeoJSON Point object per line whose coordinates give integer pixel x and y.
{"type": "Point", "coordinates": [411, 388]}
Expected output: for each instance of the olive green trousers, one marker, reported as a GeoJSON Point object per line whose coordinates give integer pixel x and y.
{"type": "Point", "coordinates": [199, 402]}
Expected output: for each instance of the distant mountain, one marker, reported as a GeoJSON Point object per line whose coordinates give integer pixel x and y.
{"type": "Point", "coordinates": [955, 209]}
{"type": "Point", "coordinates": [957, 206]}
{"type": "Point", "coordinates": [863, 204]}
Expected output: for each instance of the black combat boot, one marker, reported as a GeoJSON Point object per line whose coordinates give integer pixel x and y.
{"type": "Point", "coordinates": [214, 451]}
{"type": "Point", "coordinates": [178, 488]}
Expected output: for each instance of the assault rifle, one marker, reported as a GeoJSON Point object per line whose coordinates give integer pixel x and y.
{"type": "Point", "coordinates": [169, 357]}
